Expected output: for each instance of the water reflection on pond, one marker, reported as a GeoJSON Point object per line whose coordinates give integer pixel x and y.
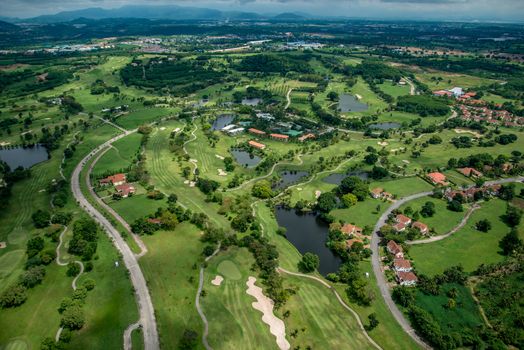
{"type": "Point", "coordinates": [308, 234]}
{"type": "Point", "coordinates": [290, 177]}
{"type": "Point", "coordinates": [244, 158]}
{"type": "Point", "coordinates": [24, 157]}
{"type": "Point", "coordinates": [349, 103]}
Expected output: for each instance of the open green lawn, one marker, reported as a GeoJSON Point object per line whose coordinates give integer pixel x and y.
{"type": "Point", "coordinates": [393, 89]}
{"type": "Point", "coordinates": [137, 206]}
{"type": "Point", "coordinates": [457, 178]}
{"type": "Point", "coordinates": [142, 116]}
{"type": "Point", "coordinates": [170, 269]}
{"type": "Point", "coordinates": [403, 186]}
{"type": "Point", "coordinates": [443, 220]}
{"type": "Point", "coordinates": [450, 80]}
{"type": "Point", "coordinates": [468, 246]}
{"type": "Point", "coordinates": [120, 156]}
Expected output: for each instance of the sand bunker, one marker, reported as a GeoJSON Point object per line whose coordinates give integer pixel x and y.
{"type": "Point", "coordinates": [382, 143]}
{"type": "Point", "coordinates": [217, 280]}
{"type": "Point", "coordinates": [358, 97]}
{"type": "Point", "coordinates": [466, 131]}
{"type": "Point", "coordinates": [317, 193]}
{"type": "Point", "coordinates": [265, 305]}
{"type": "Point", "coordinates": [219, 156]}
{"type": "Point", "coordinates": [221, 172]}
{"type": "Point", "coordinates": [163, 128]}
{"type": "Point", "coordinates": [405, 161]}
{"type": "Point", "coordinates": [192, 183]}
{"type": "Point", "coordinates": [176, 130]}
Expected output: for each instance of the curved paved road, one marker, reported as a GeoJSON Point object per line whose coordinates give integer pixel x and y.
{"type": "Point", "coordinates": [377, 268]}
{"type": "Point", "coordinates": [145, 305]}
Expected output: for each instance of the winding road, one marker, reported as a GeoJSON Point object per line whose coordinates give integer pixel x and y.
{"type": "Point", "coordinates": [145, 305]}
{"type": "Point", "coordinates": [377, 268]}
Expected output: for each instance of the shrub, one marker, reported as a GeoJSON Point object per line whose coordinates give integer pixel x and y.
{"type": "Point", "coordinates": [73, 317]}
{"type": "Point", "coordinates": [309, 262]}
{"type": "Point", "coordinates": [14, 296]}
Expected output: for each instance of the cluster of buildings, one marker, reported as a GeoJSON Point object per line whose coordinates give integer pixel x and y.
{"type": "Point", "coordinates": [469, 194]}
{"type": "Point", "coordinates": [478, 111]}
{"type": "Point", "coordinates": [119, 182]}
{"type": "Point", "coordinates": [295, 45]}
{"type": "Point", "coordinates": [402, 222]}
{"type": "Point", "coordinates": [232, 129]}
{"type": "Point", "coordinates": [402, 267]}
{"type": "Point", "coordinates": [379, 193]}
{"type": "Point", "coordinates": [456, 92]}
{"type": "Point", "coordinates": [355, 234]}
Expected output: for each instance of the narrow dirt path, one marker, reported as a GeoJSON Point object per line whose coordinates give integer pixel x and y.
{"type": "Point", "coordinates": [461, 224]}
{"type": "Point", "coordinates": [197, 301]}
{"type": "Point", "coordinates": [327, 285]}
{"type": "Point", "coordinates": [288, 98]}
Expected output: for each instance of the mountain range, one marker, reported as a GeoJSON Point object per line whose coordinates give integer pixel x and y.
{"type": "Point", "coordinates": [171, 12]}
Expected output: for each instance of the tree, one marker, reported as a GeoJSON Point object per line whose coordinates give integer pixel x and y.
{"type": "Point", "coordinates": [483, 225]}
{"type": "Point", "coordinates": [507, 192]}
{"type": "Point", "coordinates": [188, 340]}
{"type": "Point", "coordinates": [349, 200]}
{"type": "Point", "coordinates": [371, 158]}
{"type": "Point", "coordinates": [73, 317]}
{"type": "Point", "coordinates": [428, 209]}
{"type": "Point", "coordinates": [355, 185]}
{"type": "Point", "coordinates": [512, 216]}
{"type": "Point", "coordinates": [72, 269]}
{"type": "Point", "coordinates": [333, 96]}
{"type": "Point", "coordinates": [262, 189]}
{"type": "Point", "coordinates": [172, 198]}
{"type": "Point", "coordinates": [511, 242]}
{"type": "Point", "coordinates": [373, 322]}
{"type": "Point", "coordinates": [41, 218]}
{"type": "Point", "coordinates": [13, 296]}
{"type": "Point", "coordinates": [33, 276]}
{"type": "Point", "coordinates": [378, 172]}
{"type": "Point", "coordinates": [34, 246]}
{"type": "Point", "coordinates": [403, 296]}
{"type": "Point", "coordinates": [327, 201]}
{"type": "Point", "coordinates": [455, 205]}
{"type": "Point", "coordinates": [309, 262]}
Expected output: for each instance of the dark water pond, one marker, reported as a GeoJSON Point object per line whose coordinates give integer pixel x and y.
{"type": "Point", "coordinates": [245, 158]}
{"type": "Point", "coordinates": [309, 234]}
{"type": "Point", "coordinates": [290, 177]}
{"type": "Point", "coordinates": [222, 121]}
{"type": "Point", "coordinates": [24, 157]}
{"type": "Point", "coordinates": [336, 178]}
{"type": "Point", "coordinates": [251, 101]}
{"type": "Point", "coordinates": [349, 103]}
{"type": "Point", "coordinates": [385, 126]}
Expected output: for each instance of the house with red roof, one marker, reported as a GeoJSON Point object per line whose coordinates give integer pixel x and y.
{"type": "Point", "coordinates": [306, 137]}
{"type": "Point", "coordinates": [257, 145]}
{"type": "Point", "coordinates": [350, 229]}
{"type": "Point", "coordinates": [376, 192]}
{"type": "Point", "coordinates": [115, 180]}
{"type": "Point", "coordinates": [437, 178]}
{"type": "Point", "coordinates": [399, 227]}
{"type": "Point", "coordinates": [279, 137]}
{"type": "Point", "coordinates": [402, 265]}
{"type": "Point", "coordinates": [470, 172]}
{"type": "Point", "coordinates": [394, 249]}
{"type": "Point", "coordinates": [403, 219]}
{"type": "Point", "coordinates": [256, 132]}
{"type": "Point", "coordinates": [406, 278]}
{"type": "Point", "coordinates": [125, 190]}
{"type": "Point", "coordinates": [423, 228]}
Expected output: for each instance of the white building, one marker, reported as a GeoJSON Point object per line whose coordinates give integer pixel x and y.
{"type": "Point", "coordinates": [233, 132]}
{"type": "Point", "coordinates": [265, 116]}
{"type": "Point", "coordinates": [457, 91]}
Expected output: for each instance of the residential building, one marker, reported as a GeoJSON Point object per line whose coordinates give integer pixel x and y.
{"type": "Point", "coordinates": [256, 132]}
{"type": "Point", "coordinates": [125, 190]}
{"type": "Point", "coordinates": [403, 219]}
{"type": "Point", "coordinates": [423, 228]}
{"type": "Point", "coordinates": [402, 265]}
{"type": "Point", "coordinates": [394, 249]}
{"type": "Point", "coordinates": [279, 137]}
{"type": "Point", "coordinates": [115, 180]}
{"type": "Point", "coordinates": [376, 192]}
{"type": "Point", "coordinates": [470, 172]}
{"type": "Point", "coordinates": [235, 131]}
{"type": "Point", "coordinates": [399, 227]}
{"type": "Point", "coordinates": [437, 178]}
{"type": "Point", "coordinates": [406, 278]}
{"type": "Point", "coordinates": [265, 116]}
{"type": "Point", "coordinates": [257, 145]}
{"type": "Point", "coordinates": [306, 137]}
{"type": "Point", "coordinates": [350, 229]}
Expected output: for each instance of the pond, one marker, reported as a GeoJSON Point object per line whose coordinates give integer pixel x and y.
{"type": "Point", "coordinates": [290, 177]}
{"type": "Point", "coordinates": [222, 121]}
{"type": "Point", "coordinates": [349, 103]}
{"type": "Point", "coordinates": [385, 126]}
{"type": "Point", "coordinates": [24, 157]}
{"type": "Point", "coordinates": [308, 234]}
{"type": "Point", "coordinates": [244, 158]}
{"type": "Point", "coordinates": [336, 178]}
{"type": "Point", "coordinates": [251, 101]}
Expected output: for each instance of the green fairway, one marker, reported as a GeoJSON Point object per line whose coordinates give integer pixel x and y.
{"type": "Point", "coordinates": [170, 268]}
{"type": "Point", "coordinates": [393, 89]}
{"type": "Point", "coordinates": [403, 187]}
{"type": "Point", "coordinates": [121, 155]}
{"type": "Point", "coordinates": [143, 116]}
{"type": "Point", "coordinates": [468, 246]}
{"type": "Point", "coordinates": [138, 206]}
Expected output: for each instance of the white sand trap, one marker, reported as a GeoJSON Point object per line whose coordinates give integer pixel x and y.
{"type": "Point", "coordinates": [217, 280]}
{"type": "Point", "coordinates": [382, 143]}
{"type": "Point", "coordinates": [192, 183]}
{"type": "Point", "coordinates": [3, 143]}
{"type": "Point", "coordinates": [193, 160]}
{"type": "Point", "coordinates": [265, 305]}
{"type": "Point", "coordinates": [299, 188]}
{"type": "Point", "coordinates": [219, 156]}
{"type": "Point", "coordinates": [358, 97]}
{"type": "Point", "coordinates": [405, 161]}
{"type": "Point", "coordinates": [176, 130]}
{"type": "Point", "coordinates": [163, 128]}
{"type": "Point", "coordinates": [317, 193]}
{"type": "Point", "coordinates": [221, 172]}
{"type": "Point", "coordinates": [465, 131]}
{"type": "Point", "coordinates": [186, 182]}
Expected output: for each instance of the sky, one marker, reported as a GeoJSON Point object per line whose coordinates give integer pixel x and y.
{"type": "Point", "coordinates": [482, 10]}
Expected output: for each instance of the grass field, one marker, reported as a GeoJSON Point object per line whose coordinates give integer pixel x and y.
{"type": "Point", "coordinates": [394, 90]}
{"type": "Point", "coordinates": [170, 269]}
{"type": "Point", "coordinates": [402, 187]}
{"type": "Point", "coordinates": [450, 80]}
{"type": "Point", "coordinates": [468, 246]}
{"type": "Point", "coordinates": [143, 116]}
{"type": "Point", "coordinates": [120, 156]}
{"type": "Point", "coordinates": [137, 206]}
{"type": "Point", "coordinates": [443, 220]}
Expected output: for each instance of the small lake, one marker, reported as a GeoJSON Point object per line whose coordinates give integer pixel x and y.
{"type": "Point", "coordinates": [336, 178]}
{"type": "Point", "coordinates": [222, 121]}
{"type": "Point", "coordinates": [251, 101]}
{"type": "Point", "coordinates": [244, 158]}
{"type": "Point", "coordinates": [290, 177]}
{"type": "Point", "coordinates": [385, 126]}
{"type": "Point", "coordinates": [349, 103]}
{"type": "Point", "coordinates": [24, 157]}
{"type": "Point", "coordinates": [309, 234]}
